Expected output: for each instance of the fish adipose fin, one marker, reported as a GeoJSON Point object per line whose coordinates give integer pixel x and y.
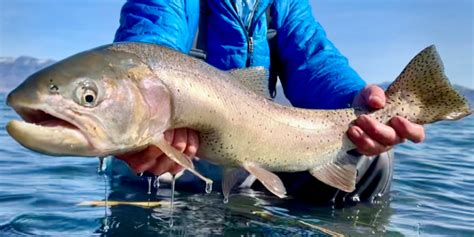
{"type": "Point", "coordinates": [270, 180]}
{"type": "Point", "coordinates": [423, 94]}
{"type": "Point", "coordinates": [230, 178]}
{"type": "Point", "coordinates": [179, 158]}
{"type": "Point", "coordinates": [254, 78]}
{"type": "Point", "coordinates": [340, 173]}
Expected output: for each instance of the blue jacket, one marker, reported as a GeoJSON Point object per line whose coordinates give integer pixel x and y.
{"type": "Point", "coordinates": [313, 72]}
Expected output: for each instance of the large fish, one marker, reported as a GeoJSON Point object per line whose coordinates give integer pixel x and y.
{"type": "Point", "coordinates": [120, 98]}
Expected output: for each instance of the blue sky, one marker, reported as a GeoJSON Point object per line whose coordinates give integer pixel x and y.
{"type": "Point", "coordinates": [378, 37]}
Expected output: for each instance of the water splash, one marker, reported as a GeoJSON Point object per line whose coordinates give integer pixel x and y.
{"type": "Point", "coordinates": [173, 181]}
{"type": "Point", "coordinates": [156, 184]}
{"type": "Point", "coordinates": [106, 206]}
{"type": "Point", "coordinates": [148, 204]}
{"type": "Point", "coordinates": [101, 170]}
{"type": "Point", "coordinates": [356, 198]}
{"type": "Point", "coordinates": [208, 187]}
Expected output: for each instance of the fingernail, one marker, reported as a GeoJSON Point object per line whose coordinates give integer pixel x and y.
{"type": "Point", "coordinates": [356, 132]}
{"type": "Point", "coordinates": [363, 118]}
{"type": "Point", "coordinates": [375, 101]}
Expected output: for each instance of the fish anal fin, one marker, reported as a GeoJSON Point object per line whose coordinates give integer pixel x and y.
{"type": "Point", "coordinates": [178, 157]}
{"type": "Point", "coordinates": [270, 180]}
{"type": "Point", "coordinates": [254, 78]}
{"type": "Point", "coordinates": [230, 178]}
{"type": "Point", "coordinates": [340, 173]}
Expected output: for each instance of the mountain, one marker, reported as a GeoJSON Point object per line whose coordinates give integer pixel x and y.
{"type": "Point", "coordinates": [469, 93]}
{"type": "Point", "coordinates": [15, 70]}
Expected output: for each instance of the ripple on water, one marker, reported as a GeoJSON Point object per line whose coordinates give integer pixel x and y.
{"type": "Point", "coordinates": [47, 224]}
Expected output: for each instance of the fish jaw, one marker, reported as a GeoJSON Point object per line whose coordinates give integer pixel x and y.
{"type": "Point", "coordinates": [55, 140]}
{"type": "Point", "coordinates": [49, 125]}
{"type": "Point", "coordinates": [45, 130]}
{"type": "Point", "coordinates": [56, 126]}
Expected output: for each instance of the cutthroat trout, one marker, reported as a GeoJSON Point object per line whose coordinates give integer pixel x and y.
{"type": "Point", "coordinates": [120, 98]}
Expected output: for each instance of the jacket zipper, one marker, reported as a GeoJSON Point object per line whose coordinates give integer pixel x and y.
{"type": "Point", "coordinates": [249, 32]}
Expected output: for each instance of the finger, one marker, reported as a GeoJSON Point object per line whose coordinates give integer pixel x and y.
{"type": "Point", "coordinates": [192, 143]}
{"type": "Point", "coordinates": [141, 161]}
{"type": "Point", "coordinates": [180, 139]}
{"type": "Point", "coordinates": [374, 96]}
{"type": "Point", "coordinates": [162, 165]}
{"type": "Point", "coordinates": [406, 129]}
{"type": "Point", "coordinates": [365, 145]}
{"type": "Point", "coordinates": [169, 135]}
{"type": "Point", "coordinates": [175, 169]}
{"type": "Point", "coordinates": [383, 134]}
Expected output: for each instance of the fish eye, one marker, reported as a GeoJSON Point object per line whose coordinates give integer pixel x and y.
{"type": "Point", "coordinates": [87, 94]}
{"type": "Point", "coordinates": [89, 98]}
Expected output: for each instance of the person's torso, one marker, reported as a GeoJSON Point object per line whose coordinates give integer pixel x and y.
{"type": "Point", "coordinates": [235, 33]}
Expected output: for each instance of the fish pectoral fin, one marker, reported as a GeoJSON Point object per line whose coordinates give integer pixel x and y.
{"type": "Point", "coordinates": [178, 157]}
{"type": "Point", "coordinates": [230, 178]}
{"type": "Point", "coordinates": [270, 180]}
{"type": "Point", "coordinates": [340, 173]}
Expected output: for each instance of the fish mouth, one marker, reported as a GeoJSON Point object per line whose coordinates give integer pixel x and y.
{"type": "Point", "coordinates": [48, 132]}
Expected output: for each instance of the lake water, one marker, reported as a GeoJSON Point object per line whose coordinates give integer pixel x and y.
{"type": "Point", "coordinates": [432, 194]}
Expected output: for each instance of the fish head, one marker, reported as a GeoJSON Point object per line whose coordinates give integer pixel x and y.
{"type": "Point", "coordinates": [91, 104]}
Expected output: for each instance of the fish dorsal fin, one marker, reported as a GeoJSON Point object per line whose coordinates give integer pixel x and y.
{"type": "Point", "coordinates": [340, 173]}
{"type": "Point", "coordinates": [254, 78]}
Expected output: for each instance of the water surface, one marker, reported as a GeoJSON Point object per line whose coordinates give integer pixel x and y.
{"type": "Point", "coordinates": [432, 194]}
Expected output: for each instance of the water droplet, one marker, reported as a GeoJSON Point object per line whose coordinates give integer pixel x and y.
{"type": "Point", "coordinates": [356, 198]}
{"type": "Point", "coordinates": [156, 182]}
{"type": "Point", "coordinates": [226, 200]}
{"type": "Point", "coordinates": [106, 199]}
{"type": "Point", "coordinates": [173, 181]}
{"type": "Point", "coordinates": [149, 185]}
{"type": "Point", "coordinates": [106, 225]}
{"type": "Point", "coordinates": [140, 174]}
{"type": "Point", "coordinates": [208, 187]}
{"type": "Point", "coordinates": [101, 166]}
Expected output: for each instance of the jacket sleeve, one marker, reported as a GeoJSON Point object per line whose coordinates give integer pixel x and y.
{"type": "Point", "coordinates": [166, 22]}
{"type": "Point", "coordinates": [314, 74]}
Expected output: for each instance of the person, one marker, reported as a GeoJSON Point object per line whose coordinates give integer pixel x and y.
{"type": "Point", "coordinates": [313, 74]}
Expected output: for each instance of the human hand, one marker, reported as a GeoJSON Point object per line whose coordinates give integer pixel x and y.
{"type": "Point", "coordinates": [372, 137]}
{"type": "Point", "coordinates": [153, 160]}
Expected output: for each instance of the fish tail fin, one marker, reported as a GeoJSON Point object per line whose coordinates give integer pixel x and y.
{"type": "Point", "coordinates": [423, 94]}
